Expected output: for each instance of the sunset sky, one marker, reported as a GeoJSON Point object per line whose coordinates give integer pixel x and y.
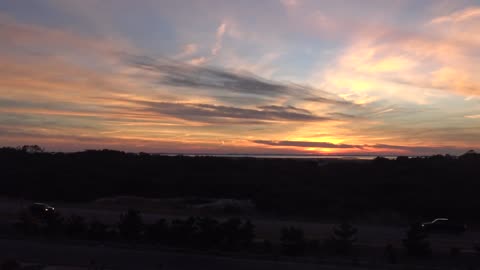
{"type": "Point", "coordinates": [272, 76]}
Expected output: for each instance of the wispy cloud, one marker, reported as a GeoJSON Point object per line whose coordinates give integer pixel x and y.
{"type": "Point", "coordinates": [208, 113]}
{"type": "Point", "coordinates": [306, 144]}
{"type": "Point", "coordinates": [375, 148]}
{"type": "Point", "coordinates": [219, 38]}
{"type": "Point", "coordinates": [407, 67]}
{"type": "Point", "coordinates": [178, 74]}
{"type": "Point", "coordinates": [290, 3]}
{"type": "Point", "coordinates": [217, 46]}
{"type": "Point", "coordinates": [187, 50]}
{"type": "Point", "coordinates": [458, 16]}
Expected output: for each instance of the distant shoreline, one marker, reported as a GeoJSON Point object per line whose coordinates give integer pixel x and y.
{"type": "Point", "coordinates": [287, 156]}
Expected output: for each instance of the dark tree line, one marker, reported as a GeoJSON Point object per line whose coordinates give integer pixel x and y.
{"type": "Point", "coordinates": [416, 187]}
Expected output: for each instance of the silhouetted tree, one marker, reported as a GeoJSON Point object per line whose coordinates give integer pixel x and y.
{"type": "Point", "coordinates": [247, 233]}
{"type": "Point", "coordinates": [27, 223]}
{"type": "Point", "coordinates": [470, 155]}
{"type": "Point", "coordinates": [75, 226]}
{"type": "Point", "coordinates": [10, 264]}
{"type": "Point", "coordinates": [158, 232]}
{"type": "Point", "coordinates": [293, 241]}
{"type": "Point", "coordinates": [381, 160]}
{"type": "Point", "coordinates": [97, 231]}
{"type": "Point", "coordinates": [267, 246]}
{"type": "Point", "coordinates": [32, 149]}
{"type": "Point", "coordinates": [476, 247]}
{"type": "Point", "coordinates": [131, 225]}
{"type": "Point", "coordinates": [416, 242]}
{"type": "Point", "coordinates": [343, 237]}
{"type": "Point", "coordinates": [454, 251]}
{"type": "Point", "coordinates": [53, 223]}
{"type": "Point", "coordinates": [390, 254]}
{"type": "Point", "coordinates": [209, 233]}
{"type": "Point", "coordinates": [231, 232]}
{"type": "Point", "coordinates": [182, 232]}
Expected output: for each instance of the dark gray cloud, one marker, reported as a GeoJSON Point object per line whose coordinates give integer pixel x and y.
{"type": "Point", "coordinates": [307, 144]}
{"type": "Point", "coordinates": [343, 115]}
{"type": "Point", "coordinates": [179, 74]}
{"type": "Point", "coordinates": [327, 100]}
{"type": "Point", "coordinates": [415, 150]}
{"type": "Point", "coordinates": [215, 114]}
{"type": "Point", "coordinates": [423, 150]}
{"type": "Point", "coordinates": [275, 108]}
{"type": "Point", "coordinates": [4, 132]}
{"type": "Point", "coordinates": [184, 75]}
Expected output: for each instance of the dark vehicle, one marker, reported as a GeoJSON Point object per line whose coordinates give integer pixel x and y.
{"type": "Point", "coordinates": [444, 225]}
{"type": "Point", "coordinates": [41, 209]}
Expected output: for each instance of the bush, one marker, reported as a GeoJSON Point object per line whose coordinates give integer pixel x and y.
{"type": "Point", "coordinates": [98, 231]}
{"type": "Point", "coordinates": [293, 241]}
{"type": "Point", "coordinates": [10, 264]}
{"type": "Point", "coordinates": [182, 232]}
{"type": "Point", "coordinates": [208, 234]}
{"type": "Point", "coordinates": [476, 247]}
{"type": "Point", "coordinates": [231, 233]}
{"type": "Point", "coordinates": [343, 237]}
{"type": "Point", "coordinates": [267, 246]}
{"type": "Point", "coordinates": [247, 233]}
{"type": "Point", "coordinates": [416, 242]}
{"type": "Point", "coordinates": [131, 225]}
{"type": "Point", "coordinates": [75, 226]}
{"type": "Point", "coordinates": [157, 232]}
{"type": "Point", "coordinates": [27, 224]}
{"type": "Point", "coordinates": [53, 223]}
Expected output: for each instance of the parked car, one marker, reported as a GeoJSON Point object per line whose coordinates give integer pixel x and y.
{"type": "Point", "coordinates": [41, 209]}
{"type": "Point", "coordinates": [444, 225]}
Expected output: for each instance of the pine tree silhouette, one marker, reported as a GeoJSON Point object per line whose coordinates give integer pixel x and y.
{"type": "Point", "coordinates": [416, 242]}
{"type": "Point", "coordinates": [343, 238]}
{"type": "Point", "coordinates": [131, 225]}
{"type": "Point", "coordinates": [293, 241]}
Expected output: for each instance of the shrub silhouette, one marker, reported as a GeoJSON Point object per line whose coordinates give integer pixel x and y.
{"type": "Point", "coordinates": [342, 239]}
{"type": "Point", "coordinates": [247, 233]}
{"type": "Point", "coordinates": [476, 247]}
{"type": "Point", "coordinates": [416, 242]}
{"type": "Point", "coordinates": [131, 225]}
{"type": "Point", "coordinates": [53, 223]}
{"type": "Point", "coordinates": [10, 264]}
{"type": "Point", "coordinates": [27, 224]}
{"type": "Point", "coordinates": [182, 232]}
{"type": "Point", "coordinates": [208, 234]}
{"type": "Point", "coordinates": [75, 226]}
{"type": "Point", "coordinates": [390, 254]}
{"type": "Point", "coordinates": [293, 241]}
{"type": "Point", "coordinates": [97, 231]}
{"type": "Point", "coordinates": [231, 233]}
{"type": "Point", "coordinates": [158, 232]}
{"type": "Point", "coordinates": [31, 149]}
{"type": "Point", "coordinates": [267, 246]}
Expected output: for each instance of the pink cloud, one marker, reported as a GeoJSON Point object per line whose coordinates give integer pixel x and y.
{"type": "Point", "coordinates": [219, 38]}
{"type": "Point", "coordinates": [458, 16]}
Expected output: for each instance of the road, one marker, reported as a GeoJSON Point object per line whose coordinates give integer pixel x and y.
{"type": "Point", "coordinates": [116, 258]}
